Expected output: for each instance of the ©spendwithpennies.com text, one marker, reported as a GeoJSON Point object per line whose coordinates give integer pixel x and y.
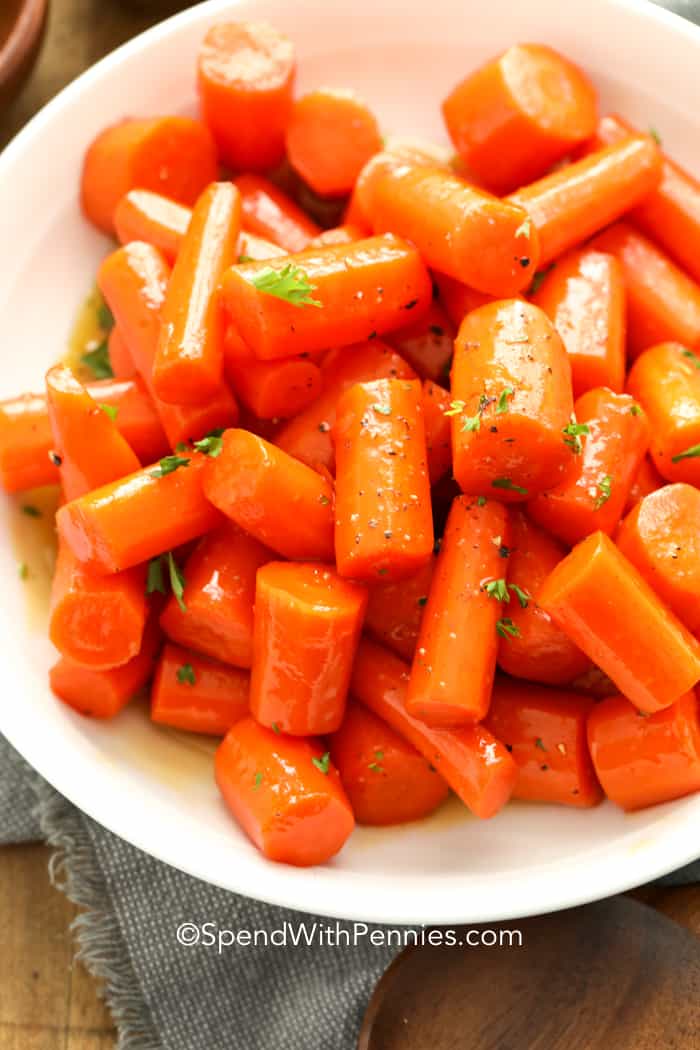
{"type": "Point", "coordinates": [310, 933]}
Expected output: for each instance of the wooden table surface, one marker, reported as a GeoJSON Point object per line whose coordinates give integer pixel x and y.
{"type": "Point", "coordinates": [48, 1002]}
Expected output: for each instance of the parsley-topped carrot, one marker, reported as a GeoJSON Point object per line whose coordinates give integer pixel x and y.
{"type": "Point", "coordinates": [455, 657]}
{"type": "Point", "coordinates": [198, 694]}
{"type": "Point", "coordinates": [387, 780]}
{"type": "Point", "coordinates": [325, 297]}
{"type": "Point", "coordinates": [285, 794]}
{"type": "Point", "coordinates": [140, 516]}
{"type": "Point", "coordinates": [511, 385]}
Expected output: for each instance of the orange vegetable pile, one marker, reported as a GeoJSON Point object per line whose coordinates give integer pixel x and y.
{"type": "Point", "coordinates": [389, 471]}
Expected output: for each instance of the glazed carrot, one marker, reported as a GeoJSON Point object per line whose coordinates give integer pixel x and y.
{"type": "Point", "coordinates": [189, 360]}
{"type": "Point", "coordinates": [174, 156]}
{"type": "Point", "coordinates": [197, 694]}
{"type": "Point", "coordinates": [26, 440]}
{"type": "Point", "coordinates": [270, 213]}
{"type": "Point", "coordinates": [346, 233]}
{"type": "Point", "coordinates": [663, 303]}
{"type": "Point", "coordinates": [278, 500]}
{"type": "Point", "coordinates": [219, 595]}
{"type": "Point", "coordinates": [584, 297]}
{"type": "Point", "coordinates": [284, 793]}
{"type": "Point", "coordinates": [514, 117]}
{"type": "Point", "coordinates": [644, 761]}
{"type": "Point", "coordinates": [325, 297]}
{"type": "Point", "coordinates": [103, 694]}
{"type": "Point", "coordinates": [134, 281]}
{"type": "Point", "coordinates": [646, 480]}
{"type": "Point", "coordinates": [383, 516]}
{"type": "Point", "coordinates": [612, 447]}
{"type": "Point", "coordinates": [120, 359]}
{"type": "Point", "coordinates": [458, 298]}
{"type": "Point", "coordinates": [96, 621]}
{"type": "Point", "coordinates": [307, 626]}
{"type": "Point", "coordinates": [474, 763]}
{"type": "Point", "coordinates": [455, 658]}
{"type": "Point", "coordinates": [144, 514]}
{"type": "Point", "coordinates": [330, 137]}
{"type": "Point", "coordinates": [397, 152]}
{"type": "Point", "coordinates": [271, 389]}
{"type": "Point", "coordinates": [670, 215]}
{"type": "Point", "coordinates": [395, 610]}
{"type": "Point", "coordinates": [537, 650]}
{"type": "Point", "coordinates": [666, 381]}
{"type": "Point", "coordinates": [387, 780]}
{"type": "Point", "coordinates": [245, 75]}
{"type": "Point", "coordinates": [661, 537]}
{"type": "Point", "coordinates": [87, 445]}
{"type": "Point", "coordinates": [545, 731]}
{"type": "Point", "coordinates": [511, 381]}
{"type": "Point", "coordinates": [600, 600]}
{"type": "Point", "coordinates": [458, 229]}
{"type": "Point", "coordinates": [438, 431]}
{"type": "Point", "coordinates": [427, 344]}
{"type": "Point", "coordinates": [150, 217]}
{"type": "Point", "coordinates": [575, 202]}
{"type": "Point", "coordinates": [308, 436]}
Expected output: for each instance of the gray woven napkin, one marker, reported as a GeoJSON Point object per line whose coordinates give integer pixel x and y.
{"type": "Point", "coordinates": [164, 996]}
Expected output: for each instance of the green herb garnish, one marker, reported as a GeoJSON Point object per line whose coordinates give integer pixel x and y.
{"type": "Point", "coordinates": [505, 628]}
{"type": "Point", "coordinates": [506, 483]}
{"type": "Point", "coordinates": [572, 436]}
{"type": "Point", "coordinates": [154, 579]}
{"type": "Point", "coordinates": [211, 445]}
{"type": "Point", "coordinates": [689, 453]}
{"type": "Point", "coordinates": [98, 362]}
{"type": "Point", "coordinates": [110, 410]}
{"type": "Point", "coordinates": [322, 763]}
{"type": "Point", "coordinates": [604, 489]}
{"type": "Point", "coordinates": [290, 283]}
{"type": "Point", "coordinates": [168, 465]}
{"type": "Point", "coordinates": [177, 581]}
{"type": "Point", "coordinates": [30, 510]}
{"type": "Point", "coordinates": [185, 675]}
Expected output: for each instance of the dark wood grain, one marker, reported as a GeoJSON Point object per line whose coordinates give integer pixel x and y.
{"type": "Point", "coordinates": [616, 975]}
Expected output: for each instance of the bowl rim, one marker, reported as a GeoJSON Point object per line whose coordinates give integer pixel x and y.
{"type": "Point", "coordinates": [285, 887]}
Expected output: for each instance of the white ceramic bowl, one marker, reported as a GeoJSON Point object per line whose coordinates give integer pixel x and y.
{"type": "Point", "coordinates": [153, 787]}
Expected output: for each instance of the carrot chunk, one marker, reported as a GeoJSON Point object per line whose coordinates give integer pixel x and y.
{"type": "Point", "coordinates": [474, 763]}
{"type": "Point", "coordinates": [584, 298]}
{"type": "Point", "coordinates": [514, 117]}
{"type": "Point", "coordinates": [663, 303]}
{"type": "Point", "coordinates": [536, 649]}
{"type": "Point", "coordinates": [661, 537]}
{"type": "Point", "coordinates": [197, 694]}
{"type": "Point", "coordinates": [284, 793]}
{"type": "Point", "coordinates": [308, 436]}
{"type": "Point", "coordinates": [511, 381]}
{"type": "Point", "coordinates": [575, 202]}
{"type": "Point", "coordinates": [666, 381]}
{"type": "Point", "coordinates": [458, 229]}
{"type": "Point", "coordinates": [387, 780]}
{"type": "Point", "coordinates": [330, 137]}
{"type": "Point", "coordinates": [142, 515]}
{"type": "Point", "coordinates": [383, 517]}
{"type": "Point", "coordinates": [307, 626]}
{"type": "Point", "coordinates": [395, 610]}
{"type": "Point", "coordinates": [278, 500]}
{"type": "Point", "coordinates": [600, 600]}
{"type": "Point", "coordinates": [174, 156]}
{"type": "Point", "coordinates": [150, 217]}
{"type": "Point", "coordinates": [219, 595]}
{"type": "Point", "coordinates": [246, 75]}
{"type": "Point", "coordinates": [326, 297]}
{"type": "Point", "coordinates": [546, 732]}
{"type": "Point", "coordinates": [611, 436]}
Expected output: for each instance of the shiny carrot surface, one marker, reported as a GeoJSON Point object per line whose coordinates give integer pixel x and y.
{"type": "Point", "coordinates": [606, 607]}
{"type": "Point", "coordinates": [198, 694]}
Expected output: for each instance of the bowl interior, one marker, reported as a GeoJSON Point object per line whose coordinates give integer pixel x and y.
{"type": "Point", "coordinates": [155, 787]}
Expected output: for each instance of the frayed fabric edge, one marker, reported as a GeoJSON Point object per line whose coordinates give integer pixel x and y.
{"type": "Point", "coordinates": [73, 869]}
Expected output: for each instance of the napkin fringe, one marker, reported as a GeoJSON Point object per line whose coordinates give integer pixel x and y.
{"type": "Point", "coordinates": [73, 869]}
